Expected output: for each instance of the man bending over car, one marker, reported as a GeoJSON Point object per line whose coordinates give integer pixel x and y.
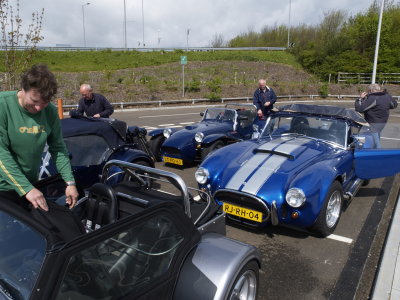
{"type": "Point", "coordinates": [27, 122]}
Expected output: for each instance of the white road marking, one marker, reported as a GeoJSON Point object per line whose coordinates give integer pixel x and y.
{"type": "Point", "coordinates": [186, 123]}
{"type": "Point", "coordinates": [340, 238]}
{"type": "Point", "coordinates": [175, 126]}
{"type": "Point", "coordinates": [150, 128]}
{"type": "Point", "coordinates": [156, 116]}
{"type": "Point", "coordinates": [166, 125]}
{"type": "Point", "coordinates": [386, 138]}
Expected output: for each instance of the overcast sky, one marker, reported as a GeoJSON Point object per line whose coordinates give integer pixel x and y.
{"type": "Point", "coordinates": [166, 21]}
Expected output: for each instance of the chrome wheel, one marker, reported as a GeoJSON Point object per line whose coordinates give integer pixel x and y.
{"type": "Point", "coordinates": [333, 209]}
{"type": "Point", "coordinates": [245, 287]}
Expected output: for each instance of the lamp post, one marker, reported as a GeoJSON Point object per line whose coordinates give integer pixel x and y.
{"type": "Point", "coordinates": [125, 43]}
{"type": "Point", "coordinates": [83, 20]}
{"type": "Point", "coordinates": [144, 45]}
{"type": "Point", "coordinates": [288, 32]}
{"type": "Point", "coordinates": [187, 39]}
{"type": "Point", "coordinates": [378, 36]}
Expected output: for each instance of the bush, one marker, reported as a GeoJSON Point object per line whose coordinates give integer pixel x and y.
{"type": "Point", "coordinates": [193, 85]}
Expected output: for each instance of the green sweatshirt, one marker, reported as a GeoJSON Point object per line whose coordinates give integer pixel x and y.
{"type": "Point", "coordinates": [23, 137]}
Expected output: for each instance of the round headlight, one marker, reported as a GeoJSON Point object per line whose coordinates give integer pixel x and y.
{"type": "Point", "coordinates": [201, 175]}
{"type": "Point", "coordinates": [167, 132]}
{"type": "Point", "coordinates": [295, 197]}
{"type": "Point", "coordinates": [199, 137]}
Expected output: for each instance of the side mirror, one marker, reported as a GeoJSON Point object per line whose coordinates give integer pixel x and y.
{"type": "Point", "coordinates": [202, 114]}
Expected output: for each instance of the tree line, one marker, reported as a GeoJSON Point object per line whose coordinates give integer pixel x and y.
{"type": "Point", "coordinates": [339, 43]}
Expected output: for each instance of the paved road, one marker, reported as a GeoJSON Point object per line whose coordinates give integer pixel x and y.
{"type": "Point", "coordinates": [297, 265]}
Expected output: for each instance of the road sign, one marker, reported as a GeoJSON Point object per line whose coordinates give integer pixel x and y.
{"type": "Point", "coordinates": [183, 60]}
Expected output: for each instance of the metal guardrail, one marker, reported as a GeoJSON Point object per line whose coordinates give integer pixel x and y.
{"type": "Point", "coordinates": [63, 48]}
{"type": "Point", "coordinates": [160, 103]}
{"type": "Point", "coordinates": [365, 78]}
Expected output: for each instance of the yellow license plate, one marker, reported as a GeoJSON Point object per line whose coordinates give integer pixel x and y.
{"type": "Point", "coordinates": [175, 161]}
{"type": "Point", "coordinates": [243, 212]}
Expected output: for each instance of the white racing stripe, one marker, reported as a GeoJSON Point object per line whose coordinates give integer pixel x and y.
{"type": "Point", "coordinates": [340, 238]}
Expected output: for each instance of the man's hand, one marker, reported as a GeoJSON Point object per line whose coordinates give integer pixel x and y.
{"type": "Point", "coordinates": [37, 199]}
{"type": "Point", "coordinates": [363, 95]}
{"type": "Point", "coordinates": [72, 195]}
{"type": "Point", "coordinates": [96, 116]}
{"type": "Point", "coordinates": [259, 113]}
{"type": "Point", "coordinates": [267, 103]}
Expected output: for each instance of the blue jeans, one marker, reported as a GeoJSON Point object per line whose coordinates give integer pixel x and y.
{"type": "Point", "coordinates": [376, 136]}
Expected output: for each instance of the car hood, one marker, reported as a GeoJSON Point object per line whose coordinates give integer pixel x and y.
{"type": "Point", "coordinates": [270, 164]}
{"type": "Point", "coordinates": [186, 135]}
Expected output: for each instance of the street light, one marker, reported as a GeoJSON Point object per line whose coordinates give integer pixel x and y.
{"type": "Point", "coordinates": [144, 45]}
{"type": "Point", "coordinates": [288, 32]}
{"type": "Point", "coordinates": [378, 35]}
{"type": "Point", "coordinates": [83, 20]}
{"type": "Point", "coordinates": [125, 43]}
{"type": "Point", "coordinates": [187, 39]}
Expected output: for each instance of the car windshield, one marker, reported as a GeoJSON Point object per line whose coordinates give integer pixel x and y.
{"type": "Point", "coordinates": [129, 262]}
{"type": "Point", "coordinates": [327, 129]}
{"type": "Point", "coordinates": [86, 150]}
{"type": "Point", "coordinates": [219, 114]}
{"type": "Point", "coordinates": [22, 252]}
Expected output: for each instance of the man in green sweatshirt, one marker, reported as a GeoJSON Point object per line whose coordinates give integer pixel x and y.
{"type": "Point", "coordinates": [27, 122]}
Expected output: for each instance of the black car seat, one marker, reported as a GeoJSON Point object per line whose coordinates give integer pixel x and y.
{"type": "Point", "coordinates": [101, 206]}
{"type": "Point", "coordinates": [299, 125]}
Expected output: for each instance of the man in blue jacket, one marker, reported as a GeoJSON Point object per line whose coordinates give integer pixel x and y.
{"type": "Point", "coordinates": [264, 99]}
{"type": "Point", "coordinates": [93, 105]}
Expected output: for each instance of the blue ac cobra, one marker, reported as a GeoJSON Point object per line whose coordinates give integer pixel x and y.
{"type": "Point", "coordinates": [307, 160]}
{"type": "Point", "coordinates": [219, 126]}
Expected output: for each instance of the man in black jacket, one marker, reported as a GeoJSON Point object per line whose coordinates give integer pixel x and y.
{"type": "Point", "coordinates": [93, 105]}
{"type": "Point", "coordinates": [264, 99]}
{"type": "Point", "coordinates": [375, 105]}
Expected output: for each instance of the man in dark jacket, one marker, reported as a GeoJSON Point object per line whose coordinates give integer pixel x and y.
{"type": "Point", "coordinates": [93, 105]}
{"type": "Point", "coordinates": [375, 105]}
{"type": "Point", "coordinates": [264, 99]}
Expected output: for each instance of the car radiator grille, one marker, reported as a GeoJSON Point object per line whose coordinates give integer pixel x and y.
{"type": "Point", "coordinates": [243, 200]}
{"type": "Point", "coordinates": [171, 150]}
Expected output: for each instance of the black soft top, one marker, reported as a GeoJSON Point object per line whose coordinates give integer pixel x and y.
{"type": "Point", "coordinates": [325, 110]}
{"type": "Point", "coordinates": [112, 130]}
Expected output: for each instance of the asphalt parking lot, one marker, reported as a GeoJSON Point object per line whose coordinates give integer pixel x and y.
{"type": "Point", "coordinates": [296, 264]}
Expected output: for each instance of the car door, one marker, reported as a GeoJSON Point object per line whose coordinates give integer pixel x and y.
{"type": "Point", "coordinates": [376, 163]}
{"type": "Point", "coordinates": [138, 257]}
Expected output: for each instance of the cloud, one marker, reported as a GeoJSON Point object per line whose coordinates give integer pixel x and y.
{"type": "Point", "coordinates": [167, 21]}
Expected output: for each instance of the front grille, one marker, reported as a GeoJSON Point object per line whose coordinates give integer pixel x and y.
{"type": "Point", "coordinates": [171, 150]}
{"type": "Point", "coordinates": [243, 200]}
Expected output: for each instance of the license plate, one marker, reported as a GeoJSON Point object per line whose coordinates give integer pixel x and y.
{"type": "Point", "coordinates": [175, 161]}
{"type": "Point", "coordinates": [243, 212]}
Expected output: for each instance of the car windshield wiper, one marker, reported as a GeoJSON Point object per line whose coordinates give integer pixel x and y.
{"type": "Point", "coordinates": [8, 291]}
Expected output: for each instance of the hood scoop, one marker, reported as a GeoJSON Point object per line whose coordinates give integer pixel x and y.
{"type": "Point", "coordinates": [289, 148]}
{"type": "Point", "coordinates": [190, 127]}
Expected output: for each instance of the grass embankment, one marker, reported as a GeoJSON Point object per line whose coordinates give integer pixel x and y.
{"type": "Point", "coordinates": [83, 61]}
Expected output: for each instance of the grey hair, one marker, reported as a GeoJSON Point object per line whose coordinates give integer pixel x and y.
{"type": "Point", "coordinates": [86, 86]}
{"type": "Point", "coordinates": [374, 87]}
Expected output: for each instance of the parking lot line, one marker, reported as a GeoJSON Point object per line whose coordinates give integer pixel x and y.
{"type": "Point", "coordinates": [157, 116]}
{"type": "Point", "coordinates": [166, 124]}
{"type": "Point", "coordinates": [175, 126]}
{"type": "Point", "coordinates": [186, 123]}
{"type": "Point", "coordinates": [340, 238]}
{"type": "Point", "coordinates": [387, 138]}
{"type": "Point", "coordinates": [150, 128]}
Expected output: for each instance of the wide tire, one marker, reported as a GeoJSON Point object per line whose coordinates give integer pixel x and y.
{"type": "Point", "coordinates": [245, 285]}
{"type": "Point", "coordinates": [214, 146]}
{"type": "Point", "coordinates": [155, 146]}
{"type": "Point", "coordinates": [331, 211]}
